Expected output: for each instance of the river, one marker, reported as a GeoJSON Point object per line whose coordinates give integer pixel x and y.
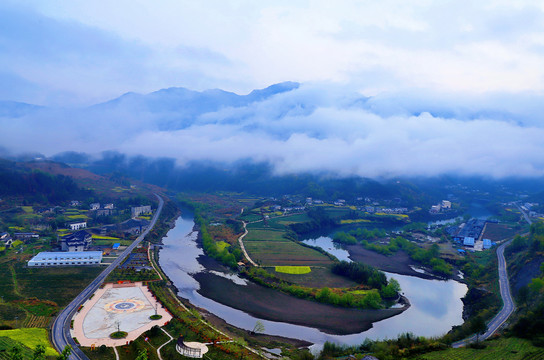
{"type": "Point", "coordinates": [436, 305]}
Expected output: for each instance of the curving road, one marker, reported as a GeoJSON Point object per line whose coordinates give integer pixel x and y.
{"type": "Point", "coordinates": [508, 303]}
{"type": "Point", "coordinates": [241, 242]}
{"type": "Point", "coordinates": [60, 332]}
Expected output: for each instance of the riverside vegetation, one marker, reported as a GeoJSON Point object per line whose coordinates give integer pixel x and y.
{"type": "Point", "coordinates": [429, 257]}
{"type": "Point", "coordinates": [371, 285]}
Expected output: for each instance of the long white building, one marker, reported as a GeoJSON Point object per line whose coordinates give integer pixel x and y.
{"type": "Point", "coordinates": [77, 258]}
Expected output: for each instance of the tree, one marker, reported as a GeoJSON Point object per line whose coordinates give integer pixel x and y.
{"type": "Point", "coordinates": [323, 294]}
{"type": "Point", "coordinates": [258, 328]}
{"type": "Point", "coordinates": [15, 353]}
{"type": "Point", "coordinates": [39, 353]}
{"type": "Point", "coordinates": [523, 294]}
{"type": "Point", "coordinates": [65, 353]}
{"type": "Point", "coordinates": [478, 326]}
{"type": "Point", "coordinates": [392, 289]}
{"type": "Point", "coordinates": [142, 355]}
{"type": "Point", "coordinates": [536, 285]}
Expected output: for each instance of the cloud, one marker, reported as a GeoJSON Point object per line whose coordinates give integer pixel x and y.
{"type": "Point", "coordinates": [315, 128]}
{"type": "Point", "coordinates": [62, 62]}
{"type": "Point", "coordinates": [85, 51]}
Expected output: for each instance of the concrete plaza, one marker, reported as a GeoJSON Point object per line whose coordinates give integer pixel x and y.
{"type": "Point", "coordinates": [124, 306]}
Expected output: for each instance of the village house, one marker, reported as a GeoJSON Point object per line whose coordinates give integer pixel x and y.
{"type": "Point", "coordinates": [104, 212]}
{"type": "Point", "coordinates": [138, 210]}
{"type": "Point", "coordinates": [26, 236]}
{"type": "Point", "coordinates": [77, 225]}
{"type": "Point", "coordinates": [5, 239]}
{"type": "Point", "coordinates": [78, 241]}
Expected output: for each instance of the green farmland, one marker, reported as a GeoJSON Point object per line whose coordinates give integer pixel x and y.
{"type": "Point", "coordinates": [505, 348]}
{"type": "Point", "coordinates": [270, 248]}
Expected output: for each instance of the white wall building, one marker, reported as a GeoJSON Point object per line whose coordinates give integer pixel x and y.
{"type": "Point", "coordinates": [138, 210]}
{"type": "Point", "coordinates": [78, 225]}
{"type": "Point", "coordinates": [446, 204]}
{"type": "Point", "coordinates": [78, 258]}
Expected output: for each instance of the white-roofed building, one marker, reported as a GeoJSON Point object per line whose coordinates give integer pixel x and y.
{"type": "Point", "coordinates": [77, 258]}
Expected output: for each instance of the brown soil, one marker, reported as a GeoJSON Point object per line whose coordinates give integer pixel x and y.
{"type": "Point", "coordinates": [273, 305]}
{"type": "Point", "coordinates": [498, 232]}
{"type": "Point", "coordinates": [269, 341]}
{"type": "Point", "coordinates": [398, 263]}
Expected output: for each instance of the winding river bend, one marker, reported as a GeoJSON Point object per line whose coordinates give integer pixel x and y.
{"type": "Point", "coordinates": [436, 305]}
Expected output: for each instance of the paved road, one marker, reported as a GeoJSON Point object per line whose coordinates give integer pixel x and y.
{"type": "Point", "coordinates": [524, 214]}
{"type": "Point", "coordinates": [508, 303]}
{"type": "Point", "coordinates": [60, 333]}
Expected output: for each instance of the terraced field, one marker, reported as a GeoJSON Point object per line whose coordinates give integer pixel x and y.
{"type": "Point", "coordinates": [6, 344]}
{"type": "Point", "coordinates": [36, 321]}
{"type": "Point", "coordinates": [505, 348]}
{"type": "Point", "coordinates": [29, 338]}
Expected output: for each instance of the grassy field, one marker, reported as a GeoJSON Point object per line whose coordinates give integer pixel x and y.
{"type": "Point", "coordinates": [290, 219]}
{"type": "Point", "coordinates": [30, 338]}
{"type": "Point", "coordinates": [261, 234]}
{"type": "Point", "coordinates": [336, 213]}
{"type": "Point", "coordinates": [500, 349]}
{"type": "Point", "coordinates": [353, 221]}
{"type": "Point", "coordinates": [286, 252]}
{"type": "Point", "coordinates": [111, 242]}
{"type": "Point", "coordinates": [271, 248]}
{"type": "Point", "coordinates": [251, 217]}
{"type": "Point", "coordinates": [27, 209]}
{"type": "Point", "coordinates": [221, 245]}
{"type": "Point", "coordinates": [30, 296]}
{"type": "Point", "coordinates": [77, 217]}
{"type": "Point", "coordinates": [100, 237]}
{"type": "Point", "coordinates": [296, 270]}
{"type": "Point", "coordinates": [320, 276]}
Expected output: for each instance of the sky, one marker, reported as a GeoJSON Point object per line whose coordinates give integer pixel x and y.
{"type": "Point", "coordinates": [447, 86]}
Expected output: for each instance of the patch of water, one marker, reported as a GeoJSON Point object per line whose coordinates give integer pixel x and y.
{"type": "Point", "coordinates": [232, 277]}
{"type": "Point", "coordinates": [329, 246]}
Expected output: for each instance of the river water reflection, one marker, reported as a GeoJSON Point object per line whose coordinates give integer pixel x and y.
{"type": "Point", "coordinates": [436, 305]}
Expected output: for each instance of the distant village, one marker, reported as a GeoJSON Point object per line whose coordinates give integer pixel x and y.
{"type": "Point", "coordinates": [296, 204]}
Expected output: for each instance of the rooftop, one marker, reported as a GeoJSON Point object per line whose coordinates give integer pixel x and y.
{"type": "Point", "coordinates": [67, 255]}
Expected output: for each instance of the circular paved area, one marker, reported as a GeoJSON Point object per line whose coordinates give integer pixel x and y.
{"type": "Point", "coordinates": [125, 306]}
{"type": "Point", "coordinates": [112, 308]}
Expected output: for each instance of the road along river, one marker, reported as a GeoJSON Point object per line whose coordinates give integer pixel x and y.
{"type": "Point", "coordinates": [435, 305]}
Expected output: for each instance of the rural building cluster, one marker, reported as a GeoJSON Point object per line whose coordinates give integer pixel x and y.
{"type": "Point", "coordinates": [75, 242]}
{"type": "Point", "coordinates": [470, 234]}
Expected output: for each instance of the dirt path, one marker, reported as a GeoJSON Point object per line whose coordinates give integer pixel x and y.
{"type": "Point", "coordinates": [160, 347]}
{"type": "Point", "coordinates": [241, 242]}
